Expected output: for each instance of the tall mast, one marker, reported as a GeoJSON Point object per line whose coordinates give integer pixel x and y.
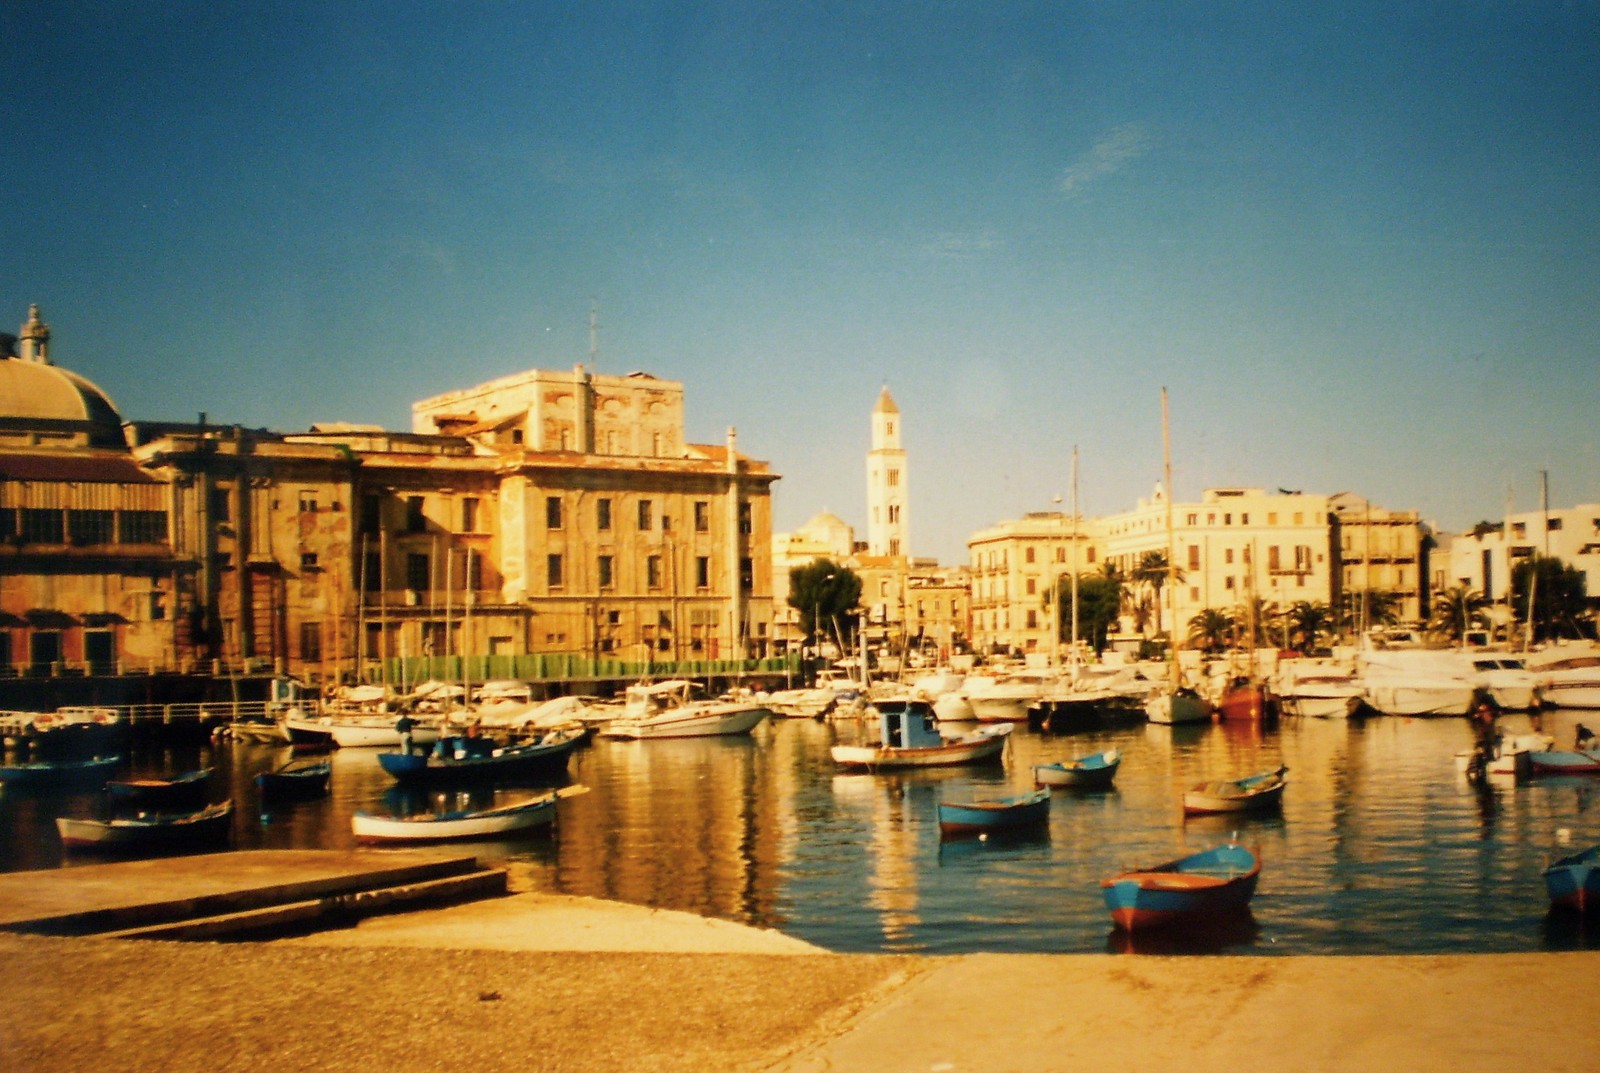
{"type": "Point", "coordinates": [1074, 649]}
{"type": "Point", "coordinates": [1172, 547]}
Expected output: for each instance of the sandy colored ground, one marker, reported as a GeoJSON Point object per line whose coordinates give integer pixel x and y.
{"type": "Point", "coordinates": [537, 982]}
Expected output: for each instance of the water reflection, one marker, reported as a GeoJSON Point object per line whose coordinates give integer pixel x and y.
{"type": "Point", "coordinates": [1378, 846]}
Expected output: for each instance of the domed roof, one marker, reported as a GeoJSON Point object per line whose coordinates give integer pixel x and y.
{"type": "Point", "coordinates": [36, 392]}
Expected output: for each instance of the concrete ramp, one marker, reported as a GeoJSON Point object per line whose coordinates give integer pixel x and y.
{"type": "Point", "coordinates": [231, 895]}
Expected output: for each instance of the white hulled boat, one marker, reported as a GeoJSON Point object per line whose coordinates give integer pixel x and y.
{"type": "Point", "coordinates": [669, 710]}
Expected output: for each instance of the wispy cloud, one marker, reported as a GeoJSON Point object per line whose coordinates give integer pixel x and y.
{"type": "Point", "coordinates": [1116, 148]}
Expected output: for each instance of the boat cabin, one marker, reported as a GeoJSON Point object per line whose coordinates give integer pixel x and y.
{"type": "Point", "coordinates": [908, 724]}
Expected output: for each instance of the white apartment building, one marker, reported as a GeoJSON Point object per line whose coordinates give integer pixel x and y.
{"type": "Point", "coordinates": [1483, 558]}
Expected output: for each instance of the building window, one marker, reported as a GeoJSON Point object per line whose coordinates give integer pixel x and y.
{"type": "Point", "coordinates": [469, 515]}
{"type": "Point", "coordinates": [652, 572]}
{"type": "Point", "coordinates": [142, 527]}
{"type": "Point", "coordinates": [1033, 620]}
{"type": "Point", "coordinates": [745, 525]}
{"type": "Point", "coordinates": [40, 526]}
{"type": "Point", "coordinates": [1227, 582]}
{"type": "Point", "coordinates": [1553, 524]}
{"type": "Point", "coordinates": [602, 515]}
{"type": "Point", "coordinates": [894, 478]}
{"type": "Point", "coordinates": [552, 571]}
{"type": "Point", "coordinates": [418, 576]}
{"type": "Point", "coordinates": [702, 572]}
{"type": "Point", "coordinates": [645, 515]}
{"type": "Point", "coordinates": [894, 514]}
{"type": "Point", "coordinates": [894, 545]}
{"type": "Point", "coordinates": [1027, 555]}
{"type": "Point", "coordinates": [371, 513]}
{"type": "Point", "coordinates": [415, 521]}
{"type": "Point", "coordinates": [604, 572]}
{"type": "Point", "coordinates": [1272, 557]}
{"type": "Point", "coordinates": [221, 509]}
{"type": "Point", "coordinates": [1032, 586]}
{"type": "Point", "coordinates": [747, 574]}
{"type": "Point", "coordinates": [372, 572]}
{"type": "Point", "coordinates": [90, 526]}
{"type": "Point", "coordinates": [552, 512]}
{"type": "Point", "coordinates": [1194, 556]}
{"type": "Point", "coordinates": [308, 560]}
{"type": "Point", "coordinates": [311, 641]}
{"type": "Point", "coordinates": [702, 516]}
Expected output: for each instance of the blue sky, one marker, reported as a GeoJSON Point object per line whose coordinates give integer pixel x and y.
{"type": "Point", "coordinates": [1358, 243]}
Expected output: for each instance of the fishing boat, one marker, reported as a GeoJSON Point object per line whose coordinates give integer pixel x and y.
{"type": "Point", "coordinates": [1177, 704]}
{"type": "Point", "coordinates": [1214, 882]}
{"type": "Point", "coordinates": [149, 831]}
{"type": "Point", "coordinates": [462, 759]}
{"type": "Point", "coordinates": [267, 729]}
{"type": "Point", "coordinates": [1574, 881]}
{"type": "Point", "coordinates": [908, 737]}
{"type": "Point", "coordinates": [957, 818]}
{"type": "Point", "coordinates": [1253, 793]}
{"type": "Point", "coordinates": [512, 818]}
{"type": "Point", "coordinates": [671, 710]}
{"type": "Point", "coordinates": [1564, 762]}
{"type": "Point", "coordinates": [184, 791]}
{"type": "Point", "coordinates": [59, 774]}
{"type": "Point", "coordinates": [296, 780]}
{"type": "Point", "coordinates": [1092, 772]}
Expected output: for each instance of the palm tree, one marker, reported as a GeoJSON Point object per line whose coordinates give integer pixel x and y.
{"type": "Point", "coordinates": [1457, 610]}
{"type": "Point", "coordinates": [1210, 630]}
{"type": "Point", "coordinates": [1308, 621]}
{"type": "Point", "coordinates": [1151, 574]}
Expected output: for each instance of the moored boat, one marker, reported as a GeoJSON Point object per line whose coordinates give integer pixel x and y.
{"type": "Point", "coordinates": [983, 816]}
{"type": "Point", "coordinates": [187, 790]}
{"type": "Point", "coordinates": [512, 818]}
{"type": "Point", "coordinates": [463, 759]}
{"type": "Point", "coordinates": [1564, 762]}
{"type": "Point", "coordinates": [1170, 706]}
{"type": "Point", "coordinates": [1213, 882]}
{"type": "Point", "coordinates": [1253, 793]}
{"type": "Point", "coordinates": [669, 710]}
{"type": "Point", "coordinates": [295, 780]}
{"type": "Point", "coordinates": [908, 737]}
{"type": "Point", "coordinates": [152, 831]}
{"type": "Point", "coordinates": [60, 774]}
{"type": "Point", "coordinates": [1573, 882]}
{"type": "Point", "coordinates": [1092, 772]}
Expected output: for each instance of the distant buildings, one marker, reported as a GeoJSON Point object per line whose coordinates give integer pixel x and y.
{"type": "Point", "coordinates": [1483, 558]}
{"type": "Point", "coordinates": [545, 513]}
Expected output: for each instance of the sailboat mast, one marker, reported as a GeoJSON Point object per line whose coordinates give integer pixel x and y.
{"type": "Point", "coordinates": [1074, 649]}
{"type": "Point", "coordinates": [1172, 547]}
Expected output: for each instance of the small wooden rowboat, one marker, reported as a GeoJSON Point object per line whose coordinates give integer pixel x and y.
{"type": "Point", "coordinates": [187, 791]}
{"type": "Point", "coordinates": [296, 780]}
{"type": "Point", "coordinates": [908, 737]}
{"type": "Point", "coordinates": [1254, 793]}
{"type": "Point", "coordinates": [513, 818]}
{"type": "Point", "coordinates": [60, 774]}
{"type": "Point", "coordinates": [957, 818]}
{"type": "Point", "coordinates": [1092, 772]}
{"type": "Point", "coordinates": [155, 831]}
{"type": "Point", "coordinates": [1213, 882]}
{"type": "Point", "coordinates": [1574, 881]}
{"type": "Point", "coordinates": [1564, 762]}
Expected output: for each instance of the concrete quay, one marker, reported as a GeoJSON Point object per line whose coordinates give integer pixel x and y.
{"type": "Point", "coordinates": [531, 982]}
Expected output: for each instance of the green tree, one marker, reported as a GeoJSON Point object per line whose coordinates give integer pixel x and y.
{"type": "Point", "coordinates": [825, 594]}
{"type": "Point", "coordinates": [1148, 579]}
{"type": "Point", "coordinates": [1099, 603]}
{"type": "Point", "coordinates": [1211, 630]}
{"type": "Point", "coordinates": [1560, 596]}
{"type": "Point", "coordinates": [1309, 621]}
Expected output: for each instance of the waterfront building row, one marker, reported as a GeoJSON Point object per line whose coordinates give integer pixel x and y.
{"type": "Point", "coordinates": [546, 512]}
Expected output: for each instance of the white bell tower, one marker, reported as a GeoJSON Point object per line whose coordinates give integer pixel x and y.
{"type": "Point", "coordinates": [888, 493]}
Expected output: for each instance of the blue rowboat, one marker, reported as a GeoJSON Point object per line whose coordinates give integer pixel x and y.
{"type": "Point", "coordinates": [295, 780]}
{"type": "Point", "coordinates": [185, 791]}
{"type": "Point", "coordinates": [1574, 882]}
{"type": "Point", "coordinates": [999, 814]}
{"type": "Point", "coordinates": [1213, 882]}
{"type": "Point", "coordinates": [60, 774]}
{"type": "Point", "coordinates": [1563, 762]}
{"type": "Point", "coordinates": [465, 761]}
{"type": "Point", "coordinates": [1092, 772]}
{"type": "Point", "coordinates": [514, 818]}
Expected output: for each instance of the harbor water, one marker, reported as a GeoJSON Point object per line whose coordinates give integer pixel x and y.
{"type": "Point", "coordinates": [1381, 846]}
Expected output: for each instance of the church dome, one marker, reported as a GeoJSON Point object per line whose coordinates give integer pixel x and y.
{"type": "Point", "coordinates": [36, 394]}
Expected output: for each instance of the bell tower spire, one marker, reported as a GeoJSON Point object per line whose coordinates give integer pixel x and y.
{"type": "Point", "coordinates": [888, 491]}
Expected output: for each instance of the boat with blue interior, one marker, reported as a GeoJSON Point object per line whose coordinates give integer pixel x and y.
{"type": "Point", "coordinates": [908, 737]}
